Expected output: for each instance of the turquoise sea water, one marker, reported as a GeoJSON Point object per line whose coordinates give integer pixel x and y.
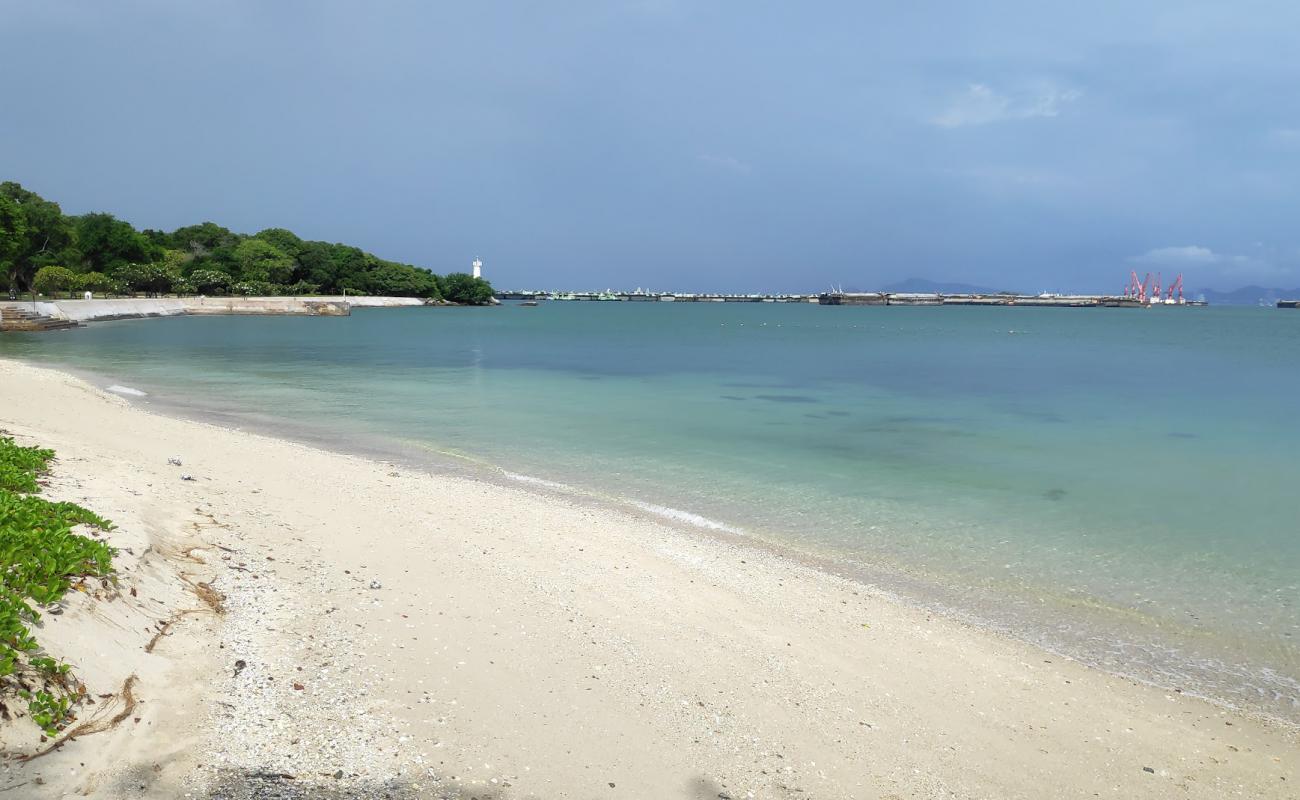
{"type": "Point", "coordinates": [1118, 485]}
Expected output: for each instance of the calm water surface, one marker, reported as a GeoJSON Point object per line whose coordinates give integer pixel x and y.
{"type": "Point", "coordinates": [1115, 484]}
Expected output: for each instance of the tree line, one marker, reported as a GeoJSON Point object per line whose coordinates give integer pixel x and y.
{"type": "Point", "coordinates": [45, 251]}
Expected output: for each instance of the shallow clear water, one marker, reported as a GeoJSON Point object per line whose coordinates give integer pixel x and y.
{"type": "Point", "coordinates": [1116, 484]}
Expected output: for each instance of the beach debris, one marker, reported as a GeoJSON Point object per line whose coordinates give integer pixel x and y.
{"type": "Point", "coordinates": [1149, 769]}
{"type": "Point", "coordinates": [175, 461]}
{"type": "Point", "coordinates": [376, 585]}
{"type": "Point", "coordinates": [239, 666]}
{"type": "Point", "coordinates": [187, 477]}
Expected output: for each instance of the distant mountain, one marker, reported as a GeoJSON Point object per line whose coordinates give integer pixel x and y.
{"type": "Point", "coordinates": [923, 286]}
{"type": "Point", "coordinates": [1248, 296]}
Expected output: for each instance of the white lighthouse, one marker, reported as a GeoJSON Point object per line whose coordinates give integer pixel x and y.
{"type": "Point", "coordinates": [478, 268]}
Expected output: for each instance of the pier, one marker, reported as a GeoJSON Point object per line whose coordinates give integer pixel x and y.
{"type": "Point", "coordinates": [1020, 300]}
{"type": "Point", "coordinates": [857, 299]}
{"type": "Point", "coordinates": [655, 297]}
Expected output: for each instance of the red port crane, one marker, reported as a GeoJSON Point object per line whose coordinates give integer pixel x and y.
{"type": "Point", "coordinates": [1139, 291]}
{"type": "Point", "coordinates": [1176, 285]}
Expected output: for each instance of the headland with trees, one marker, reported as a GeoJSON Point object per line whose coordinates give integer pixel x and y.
{"type": "Point", "coordinates": [44, 251]}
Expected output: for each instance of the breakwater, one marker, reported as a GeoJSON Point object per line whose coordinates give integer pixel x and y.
{"type": "Point", "coordinates": [48, 314]}
{"type": "Point", "coordinates": [852, 299]}
{"type": "Point", "coordinates": [1033, 301]}
{"type": "Point", "coordinates": [654, 297]}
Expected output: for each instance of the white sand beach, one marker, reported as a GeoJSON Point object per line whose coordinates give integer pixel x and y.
{"type": "Point", "coordinates": [324, 625]}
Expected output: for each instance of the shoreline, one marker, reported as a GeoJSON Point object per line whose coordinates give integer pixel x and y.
{"type": "Point", "coordinates": [549, 635]}
{"type": "Point", "coordinates": [1027, 614]}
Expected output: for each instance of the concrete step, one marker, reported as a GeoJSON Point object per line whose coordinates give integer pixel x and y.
{"type": "Point", "coordinates": [16, 318]}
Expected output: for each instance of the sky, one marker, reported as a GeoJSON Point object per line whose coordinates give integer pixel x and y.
{"type": "Point", "coordinates": [687, 146]}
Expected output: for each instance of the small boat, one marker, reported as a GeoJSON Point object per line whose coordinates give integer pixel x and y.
{"type": "Point", "coordinates": [529, 304]}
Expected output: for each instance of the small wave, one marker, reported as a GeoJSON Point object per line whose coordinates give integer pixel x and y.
{"type": "Point", "coordinates": [677, 515]}
{"type": "Point", "coordinates": [534, 481]}
{"type": "Point", "coordinates": [674, 514]}
{"type": "Point", "coordinates": [127, 390]}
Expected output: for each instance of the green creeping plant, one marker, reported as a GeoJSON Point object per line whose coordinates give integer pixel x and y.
{"type": "Point", "coordinates": [47, 711]}
{"type": "Point", "coordinates": [40, 556]}
{"type": "Point", "coordinates": [49, 666]}
{"type": "Point", "coordinates": [19, 466]}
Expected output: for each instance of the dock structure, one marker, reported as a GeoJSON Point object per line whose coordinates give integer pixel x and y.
{"type": "Point", "coordinates": [1001, 299]}
{"type": "Point", "coordinates": [854, 299]}
{"type": "Point", "coordinates": [654, 297]}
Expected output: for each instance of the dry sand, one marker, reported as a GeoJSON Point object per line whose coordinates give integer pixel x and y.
{"type": "Point", "coordinates": [389, 633]}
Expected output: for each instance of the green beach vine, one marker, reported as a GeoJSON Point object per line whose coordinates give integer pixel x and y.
{"type": "Point", "coordinates": [41, 556]}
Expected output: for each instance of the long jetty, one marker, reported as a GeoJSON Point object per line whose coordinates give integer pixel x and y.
{"type": "Point", "coordinates": [47, 315]}
{"type": "Point", "coordinates": [851, 299]}
{"type": "Point", "coordinates": [652, 297]}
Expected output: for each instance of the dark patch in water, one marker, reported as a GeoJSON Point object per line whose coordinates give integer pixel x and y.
{"type": "Point", "coordinates": [1054, 494]}
{"type": "Point", "coordinates": [1183, 435]}
{"type": "Point", "coordinates": [815, 416]}
{"type": "Point", "coordinates": [837, 413]}
{"type": "Point", "coordinates": [743, 385]}
{"type": "Point", "coordinates": [921, 420]}
{"type": "Point", "coordinates": [732, 397]}
{"type": "Point", "coordinates": [1039, 416]}
{"type": "Point", "coordinates": [786, 398]}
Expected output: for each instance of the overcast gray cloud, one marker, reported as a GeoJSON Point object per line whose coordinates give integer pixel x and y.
{"type": "Point", "coordinates": [721, 145]}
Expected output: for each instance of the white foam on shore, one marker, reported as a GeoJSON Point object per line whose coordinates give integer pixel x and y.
{"type": "Point", "coordinates": [666, 512]}
{"type": "Point", "coordinates": [532, 481]}
{"type": "Point", "coordinates": [677, 515]}
{"type": "Point", "coordinates": [127, 390]}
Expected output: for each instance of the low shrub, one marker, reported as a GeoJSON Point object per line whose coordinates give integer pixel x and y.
{"type": "Point", "coordinates": [40, 557]}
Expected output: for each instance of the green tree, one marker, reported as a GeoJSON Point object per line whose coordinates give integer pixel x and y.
{"type": "Point", "coordinates": [282, 239]}
{"type": "Point", "coordinates": [94, 282]}
{"type": "Point", "coordinates": [50, 280]}
{"type": "Point", "coordinates": [45, 238]}
{"type": "Point", "coordinates": [315, 264]}
{"type": "Point", "coordinates": [389, 278]}
{"type": "Point", "coordinates": [263, 262]}
{"type": "Point", "coordinates": [210, 281]}
{"type": "Point", "coordinates": [203, 239]}
{"type": "Point", "coordinates": [175, 260]}
{"type": "Point", "coordinates": [107, 243]}
{"type": "Point", "coordinates": [152, 279]}
{"type": "Point", "coordinates": [13, 239]}
{"type": "Point", "coordinates": [463, 288]}
{"type": "Point", "coordinates": [302, 287]}
{"type": "Point", "coordinates": [253, 288]}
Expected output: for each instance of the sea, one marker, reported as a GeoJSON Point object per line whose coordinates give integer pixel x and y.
{"type": "Point", "coordinates": [1117, 486]}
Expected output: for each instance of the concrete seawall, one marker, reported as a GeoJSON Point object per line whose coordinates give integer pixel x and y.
{"type": "Point", "coordinates": [139, 308]}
